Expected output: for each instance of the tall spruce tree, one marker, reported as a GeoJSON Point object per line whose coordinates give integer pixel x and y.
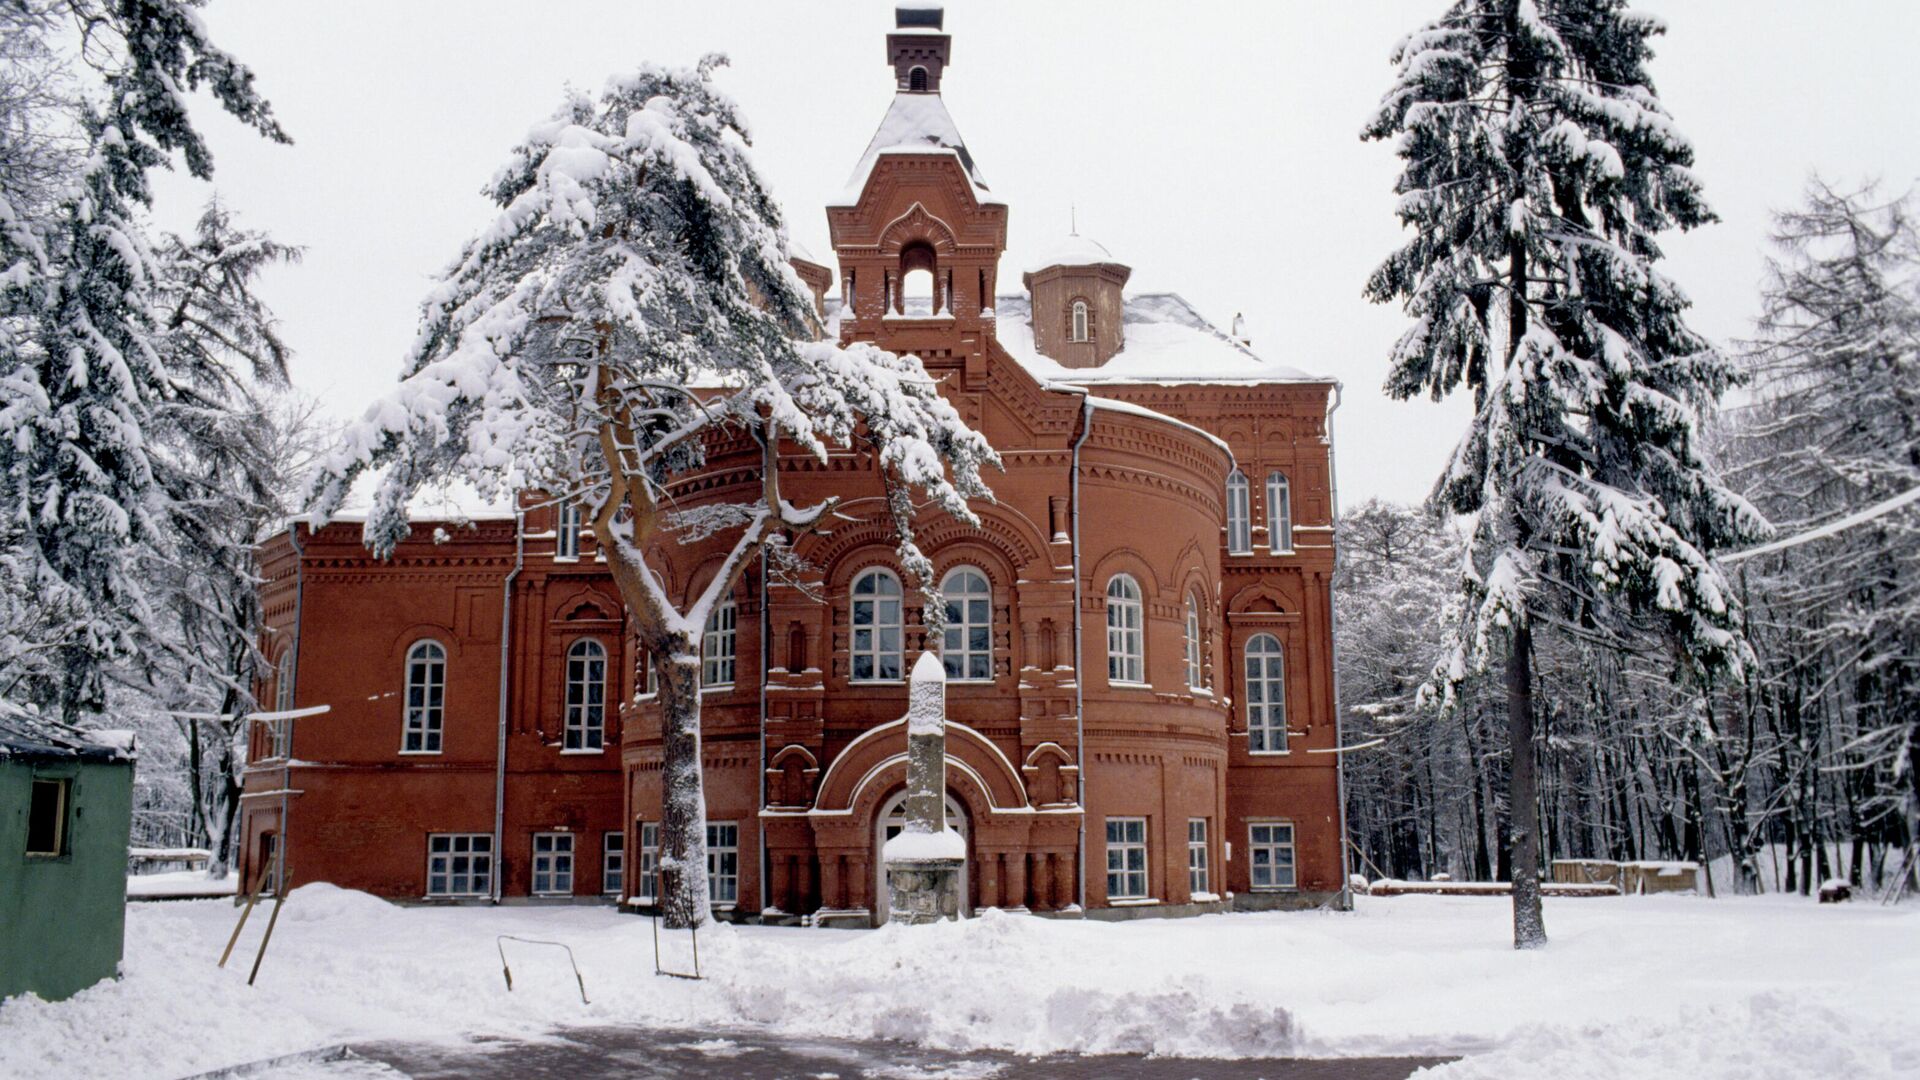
{"type": "Point", "coordinates": [1539, 169]}
{"type": "Point", "coordinates": [631, 302]}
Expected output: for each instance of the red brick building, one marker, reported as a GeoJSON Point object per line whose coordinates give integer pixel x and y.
{"type": "Point", "coordinates": [1139, 639]}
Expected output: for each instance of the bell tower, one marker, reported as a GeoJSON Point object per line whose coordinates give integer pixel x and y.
{"type": "Point", "coordinates": [918, 48]}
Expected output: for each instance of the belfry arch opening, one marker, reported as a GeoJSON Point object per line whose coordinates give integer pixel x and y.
{"type": "Point", "coordinates": [919, 274]}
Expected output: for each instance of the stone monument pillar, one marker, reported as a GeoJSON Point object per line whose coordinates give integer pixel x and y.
{"type": "Point", "coordinates": [924, 862]}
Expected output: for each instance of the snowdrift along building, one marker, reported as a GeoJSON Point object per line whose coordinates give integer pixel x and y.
{"type": "Point", "coordinates": [1138, 641]}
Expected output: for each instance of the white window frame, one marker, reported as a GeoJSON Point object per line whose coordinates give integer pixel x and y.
{"type": "Point", "coordinates": [1126, 632]}
{"type": "Point", "coordinates": [647, 885]}
{"type": "Point", "coordinates": [1264, 676]}
{"type": "Point", "coordinates": [280, 732]}
{"type": "Point", "coordinates": [1264, 848]}
{"type": "Point", "coordinates": [723, 863]}
{"type": "Point", "coordinates": [969, 616]}
{"type": "Point", "coordinates": [475, 848]}
{"type": "Point", "coordinates": [566, 533]}
{"type": "Point", "coordinates": [1127, 839]}
{"type": "Point", "coordinates": [873, 648]}
{"type": "Point", "coordinates": [585, 728]}
{"type": "Point", "coordinates": [719, 644]}
{"type": "Point", "coordinates": [553, 864]}
{"type": "Point", "coordinates": [424, 725]}
{"type": "Point", "coordinates": [1239, 515]}
{"type": "Point", "coordinates": [1196, 669]}
{"type": "Point", "coordinates": [613, 862]}
{"type": "Point", "coordinates": [1081, 322]}
{"type": "Point", "coordinates": [1199, 873]}
{"type": "Point", "coordinates": [1279, 513]}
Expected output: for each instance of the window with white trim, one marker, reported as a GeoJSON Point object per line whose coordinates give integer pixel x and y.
{"type": "Point", "coordinates": [723, 862]}
{"type": "Point", "coordinates": [1279, 514]}
{"type": "Point", "coordinates": [646, 887]}
{"type": "Point", "coordinates": [586, 721]}
{"type": "Point", "coordinates": [613, 862]}
{"type": "Point", "coordinates": [1126, 653]}
{"type": "Point", "coordinates": [426, 698]}
{"type": "Point", "coordinates": [459, 864]}
{"type": "Point", "coordinates": [876, 627]}
{"type": "Point", "coordinates": [280, 732]}
{"type": "Point", "coordinates": [1266, 696]}
{"type": "Point", "coordinates": [1239, 515]}
{"type": "Point", "coordinates": [1196, 673]}
{"type": "Point", "coordinates": [1078, 331]}
{"type": "Point", "coordinates": [967, 644]}
{"type": "Point", "coordinates": [717, 645]}
{"type": "Point", "coordinates": [1126, 858]}
{"type": "Point", "coordinates": [553, 864]}
{"type": "Point", "coordinates": [566, 539]}
{"type": "Point", "coordinates": [1270, 854]}
{"type": "Point", "coordinates": [1197, 877]}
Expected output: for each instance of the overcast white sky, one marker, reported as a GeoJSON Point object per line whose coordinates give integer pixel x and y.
{"type": "Point", "coordinates": [1212, 146]}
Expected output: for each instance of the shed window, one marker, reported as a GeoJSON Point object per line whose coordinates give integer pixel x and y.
{"type": "Point", "coordinates": [47, 816]}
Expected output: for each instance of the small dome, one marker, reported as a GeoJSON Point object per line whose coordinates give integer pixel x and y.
{"type": "Point", "coordinates": [1074, 250]}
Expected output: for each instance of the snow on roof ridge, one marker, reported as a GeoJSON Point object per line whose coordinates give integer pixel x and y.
{"type": "Point", "coordinates": [915, 123]}
{"type": "Point", "coordinates": [1075, 250]}
{"type": "Point", "coordinates": [1168, 341]}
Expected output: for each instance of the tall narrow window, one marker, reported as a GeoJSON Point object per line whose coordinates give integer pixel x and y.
{"type": "Point", "coordinates": [426, 697]}
{"type": "Point", "coordinates": [613, 862]}
{"type": "Point", "coordinates": [967, 645]}
{"type": "Point", "coordinates": [566, 543]}
{"type": "Point", "coordinates": [1197, 876]}
{"type": "Point", "coordinates": [1126, 660]}
{"type": "Point", "coordinates": [723, 862]}
{"type": "Point", "coordinates": [553, 864]}
{"type": "Point", "coordinates": [1270, 853]}
{"type": "Point", "coordinates": [1126, 858]}
{"type": "Point", "coordinates": [646, 887]}
{"type": "Point", "coordinates": [1266, 696]}
{"type": "Point", "coordinates": [876, 627]}
{"type": "Point", "coordinates": [1078, 331]}
{"type": "Point", "coordinates": [717, 645]}
{"type": "Point", "coordinates": [1279, 514]}
{"type": "Point", "coordinates": [1239, 519]}
{"type": "Point", "coordinates": [586, 696]}
{"type": "Point", "coordinates": [280, 732]}
{"type": "Point", "coordinates": [1195, 672]}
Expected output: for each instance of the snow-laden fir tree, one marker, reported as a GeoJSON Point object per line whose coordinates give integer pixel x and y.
{"type": "Point", "coordinates": [632, 301]}
{"type": "Point", "coordinates": [86, 366]}
{"type": "Point", "coordinates": [1539, 169]}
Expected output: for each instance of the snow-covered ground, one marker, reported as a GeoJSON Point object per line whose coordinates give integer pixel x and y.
{"type": "Point", "coordinates": [1639, 986]}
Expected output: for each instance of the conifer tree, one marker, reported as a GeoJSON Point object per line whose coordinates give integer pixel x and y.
{"type": "Point", "coordinates": [1540, 167]}
{"type": "Point", "coordinates": [632, 301]}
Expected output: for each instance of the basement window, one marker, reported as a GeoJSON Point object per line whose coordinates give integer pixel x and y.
{"type": "Point", "coordinates": [47, 816]}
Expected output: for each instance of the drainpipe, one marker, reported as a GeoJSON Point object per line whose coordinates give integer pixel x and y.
{"type": "Point", "coordinates": [1333, 645]}
{"type": "Point", "coordinates": [286, 763]}
{"type": "Point", "coordinates": [766, 658]}
{"type": "Point", "coordinates": [506, 654]}
{"type": "Point", "coordinates": [1079, 668]}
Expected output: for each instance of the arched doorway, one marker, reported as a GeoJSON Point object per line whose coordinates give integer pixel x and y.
{"type": "Point", "coordinates": [887, 825]}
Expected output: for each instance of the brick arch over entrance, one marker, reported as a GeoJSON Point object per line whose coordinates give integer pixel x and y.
{"type": "Point", "coordinates": [859, 775]}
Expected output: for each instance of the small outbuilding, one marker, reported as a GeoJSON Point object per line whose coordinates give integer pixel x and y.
{"type": "Point", "coordinates": [66, 807]}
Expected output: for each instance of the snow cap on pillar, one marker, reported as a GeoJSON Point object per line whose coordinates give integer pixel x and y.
{"type": "Point", "coordinates": [927, 696]}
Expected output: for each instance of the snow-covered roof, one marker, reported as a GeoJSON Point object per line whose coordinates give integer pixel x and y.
{"type": "Point", "coordinates": [26, 735]}
{"type": "Point", "coordinates": [800, 251]}
{"type": "Point", "coordinates": [1074, 250]}
{"type": "Point", "coordinates": [457, 501]}
{"type": "Point", "coordinates": [916, 123]}
{"type": "Point", "coordinates": [1167, 341]}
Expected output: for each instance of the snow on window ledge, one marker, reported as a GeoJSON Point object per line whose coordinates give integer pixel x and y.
{"type": "Point", "coordinates": [1204, 898]}
{"type": "Point", "coordinates": [1133, 901]}
{"type": "Point", "coordinates": [584, 752]}
{"type": "Point", "coordinates": [421, 753]}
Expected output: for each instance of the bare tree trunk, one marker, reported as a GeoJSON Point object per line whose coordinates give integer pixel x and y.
{"type": "Point", "coordinates": [1523, 810]}
{"type": "Point", "coordinates": [684, 897]}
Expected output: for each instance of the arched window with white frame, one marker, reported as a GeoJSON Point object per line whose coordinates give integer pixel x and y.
{"type": "Point", "coordinates": [1239, 517]}
{"type": "Point", "coordinates": [1196, 670]}
{"type": "Point", "coordinates": [1081, 322]}
{"type": "Point", "coordinates": [717, 644]}
{"type": "Point", "coordinates": [426, 697]}
{"type": "Point", "coordinates": [1126, 639]}
{"type": "Point", "coordinates": [1279, 513]}
{"type": "Point", "coordinates": [876, 627]}
{"type": "Point", "coordinates": [1266, 696]}
{"type": "Point", "coordinates": [586, 720]}
{"type": "Point", "coordinates": [966, 647]}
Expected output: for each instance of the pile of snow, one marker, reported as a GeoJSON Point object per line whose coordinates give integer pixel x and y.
{"type": "Point", "coordinates": [925, 847]}
{"type": "Point", "coordinates": [1636, 986]}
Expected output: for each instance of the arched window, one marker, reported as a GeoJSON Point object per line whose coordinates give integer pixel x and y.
{"type": "Point", "coordinates": [967, 648]}
{"type": "Point", "coordinates": [426, 697]}
{"type": "Point", "coordinates": [1279, 513]}
{"type": "Point", "coordinates": [876, 627]}
{"type": "Point", "coordinates": [1239, 518]}
{"type": "Point", "coordinates": [1195, 672]}
{"type": "Point", "coordinates": [566, 543]}
{"type": "Point", "coordinates": [917, 80]}
{"type": "Point", "coordinates": [1081, 322]}
{"type": "Point", "coordinates": [1126, 659]}
{"type": "Point", "coordinates": [1266, 696]}
{"type": "Point", "coordinates": [586, 696]}
{"type": "Point", "coordinates": [717, 645]}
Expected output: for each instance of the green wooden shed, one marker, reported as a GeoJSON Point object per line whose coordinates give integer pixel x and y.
{"type": "Point", "coordinates": [66, 806]}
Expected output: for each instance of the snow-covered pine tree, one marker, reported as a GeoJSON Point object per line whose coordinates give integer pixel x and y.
{"type": "Point", "coordinates": [632, 300]}
{"type": "Point", "coordinates": [84, 366]}
{"type": "Point", "coordinates": [1539, 168]}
